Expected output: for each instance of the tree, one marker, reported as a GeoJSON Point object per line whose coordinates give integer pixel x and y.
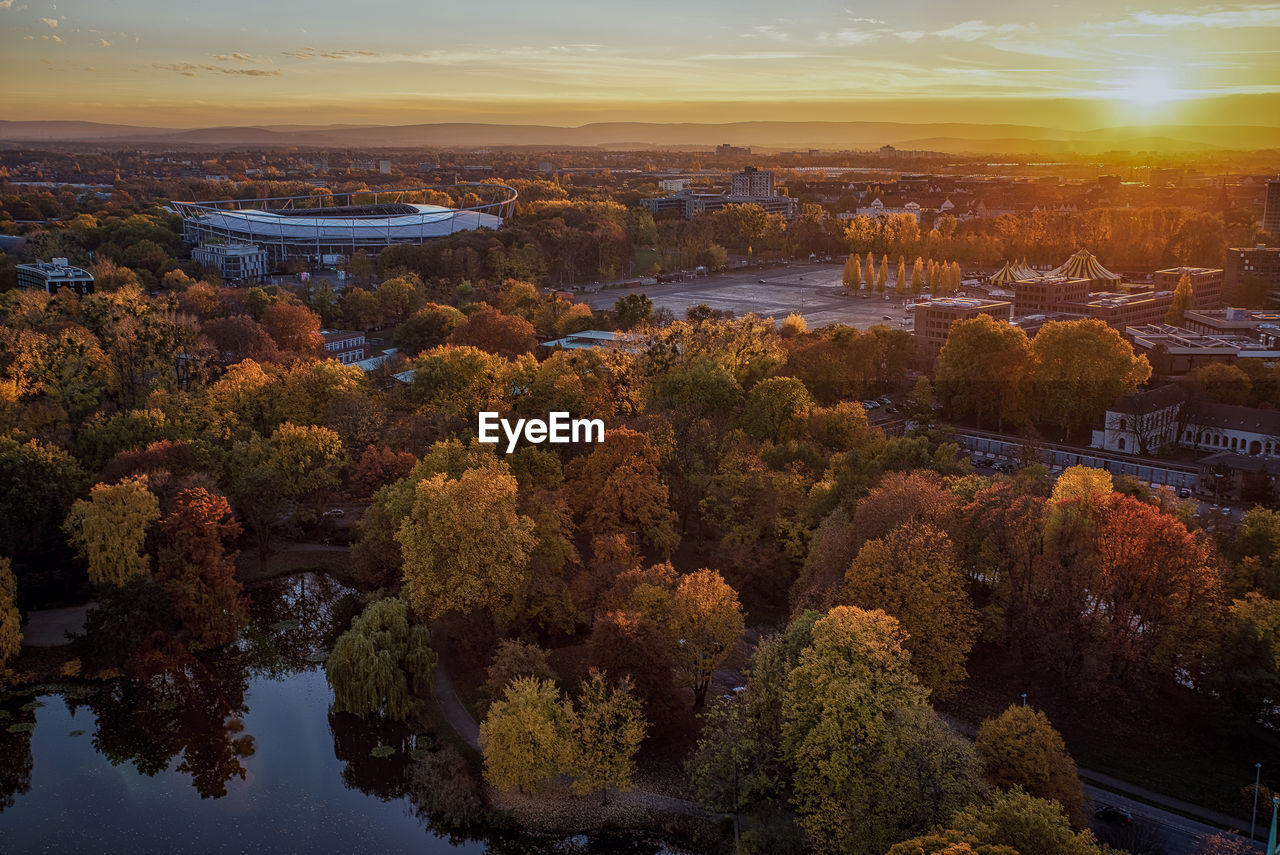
{"type": "Point", "coordinates": [706, 623]}
{"type": "Point", "coordinates": [524, 736]}
{"type": "Point", "coordinates": [239, 338]}
{"type": "Point", "coordinates": [197, 571]}
{"type": "Point", "coordinates": [630, 644]}
{"type": "Point", "coordinates": [1081, 368]}
{"type": "Point", "coordinates": [632, 310]}
{"type": "Point", "coordinates": [617, 488]}
{"type": "Point", "coordinates": [1081, 482]}
{"type": "Point", "coordinates": [605, 730]}
{"type": "Point", "coordinates": [1020, 748]}
{"type": "Point", "coordinates": [109, 529]}
{"type": "Point", "coordinates": [382, 665]}
{"type": "Point", "coordinates": [426, 328]}
{"type": "Point", "coordinates": [984, 369]}
{"type": "Point", "coordinates": [1024, 823]}
{"type": "Point", "coordinates": [294, 328]}
{"type": "Point", "coordinates": [851, 275]}
{"type": "Point", "coordinates": [306, 462]}
{"type": "Point", "coordinates": [465, 546]}
{"type": "Point", "coordinates": [917, 276]}
{"type": "Point", "coordinates": [948, 841]}
{"type": "Point", "coordinates": [1181, 301]}
{"type": "Point", "coordinates": [776, 409]}
{"type": "Point", "coordinates": [869, 273]}
{"type": "Point", "coordinates": [849, 681]}
{"type": "Point", "coordinates": [395, 296]}
{"type": "Point", "coordinates": [515, 659]}
{"type": "Point", "coordinates": [10, 618]}
{"type": "Point", "coordinates": [882, 277]}
{"type": "Point", "coordinates": [900, 279]}
{"type": "Point", "coordinates": [912, 575]}
{"type": "Point", "coordinates": [489, 329]}
{"type": "Point", "coordinates": [793, 325]}
{"type": "Point", "coordinates": [38, 483]}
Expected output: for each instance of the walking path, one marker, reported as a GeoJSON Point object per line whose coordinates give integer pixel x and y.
{"type": "Point", "coordinates": [49, 627]}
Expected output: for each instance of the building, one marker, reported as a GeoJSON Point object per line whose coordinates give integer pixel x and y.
{"type": "Point", "coordinates": [1049, 294]}
{"type": "Point", "coordinates": [1260, 262]}
{"type": "Point", "coordinates": [1258, 324]}
{"type": "Point", "coordinates": [1144, 421]}
{"type": "Point", "coordinates": [594, 339]}
{"type": "Point", "coordinates": [302, 227]}
{"type": "Point", "coordinates": [689, 203]}
{"type": "Point", "coordinates": [49, 276]}
{"type": "Point", "coordinates": [1032, 324]}
{"type": "Point", "coordinates": [346, 346]}
{"type": "Point", "coordinates": [1206, 284]}
{"type": "Point", "coordinates": [752, 182]}
{"type": "Point", "coordinates": [934, 317]}
{"type": "Point", "coordinates": [1176, 352]}
{"type": "Point", "coordinates": [674, 185]}
{"type": "Point", "coordinates": [236, 262]}
{"type": "Point", "coordinates": [727, 150]}
{"type": "Point", "coordinates": [1120, 311]}
{"type": "Point", "coordinates": [1271, 209]}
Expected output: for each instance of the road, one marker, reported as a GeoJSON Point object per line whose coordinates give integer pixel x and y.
{"type": "Point", "coordinates": [1181, 835]}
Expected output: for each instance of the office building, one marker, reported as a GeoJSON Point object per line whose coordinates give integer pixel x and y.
{"type": "Point", "coordinates": [934, 317]}
{"type": "Point", "coordinates": [1257, 262]}
{"type": "Point", "coordinates": [236, 262]}
{"type": "Point", "coordinates": [1121, 311]}
{"type": "Point", "coordinates": [346, 346]}
{"type": "Point", "coordinates": [1176, 351]}
{"type": "Point", "coordinates": [49, 276]}
{"type": "Point", "coordinates": [752, 182]}
{"type": "Point", "coordinates": [1206, 284]}
{"type": "Point", "coordinates": [1040, 294]}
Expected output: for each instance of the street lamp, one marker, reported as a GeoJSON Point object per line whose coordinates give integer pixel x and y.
{"type": "Point", "coordinates": [1024, 699]}
{"type": "Point", "coordinates": [1257, 779]}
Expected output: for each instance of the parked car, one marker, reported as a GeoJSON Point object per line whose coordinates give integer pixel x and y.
{"type": "Point", "coordinates": [1111, 813]}
{"type": "Point", "coordinates": [886, 318]}
{"type": "Point", "coordinates": [335, 513]}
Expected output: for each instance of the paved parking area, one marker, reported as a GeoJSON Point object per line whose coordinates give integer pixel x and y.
{"type": "Point", "coordinates": [812, 290]}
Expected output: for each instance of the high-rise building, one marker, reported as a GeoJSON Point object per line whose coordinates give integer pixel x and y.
{"type": "Point", "coordinates": [1271, 209]}
{"type": "Point", "coordinates": [236, 262]}
{"type": "Point", "coordinates": [752, 182]}
{"type": "Point", "coordinates": [49, 276]}
{"type": "Point", "coordinates": [1206, 284]}
{"type": "Point", "coordinates": [1257, 262]}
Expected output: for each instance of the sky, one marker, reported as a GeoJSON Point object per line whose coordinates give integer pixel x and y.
{"type": "Point", "coordinates": [197, 63]}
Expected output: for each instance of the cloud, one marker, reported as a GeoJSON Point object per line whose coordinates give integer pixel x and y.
{"type": "Point", "coordinates": [191, 69]}
{"type": "Point", "coordinates": [235, 57]}
{"type": "Point", "coordinates": [51, 39]}
{"type": "Point", "coordinates": [972, 31]}
{"type": "Point", "coordinates": [104, 43]}
{"type": "Point", "coordinates": [1218, 19]}
{"type": "Point", "coordinates": [52, 22]}
{"type": "Point", "coordinates": [5, 4]}
{"type": "Point", "coordinates": [846, 37]}
{"type": "Point", "coordinates": [767, 31]}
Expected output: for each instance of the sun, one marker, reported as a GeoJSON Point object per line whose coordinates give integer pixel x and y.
{"type": "Point", "coordinates": [1147, 87]}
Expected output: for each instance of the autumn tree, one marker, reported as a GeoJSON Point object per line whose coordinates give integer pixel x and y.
{"type": "Point", "coordinates": [515, 659]}
{"type": "Point", "coordinates": [294, 328]}
{"type": "Point", "coordinates": [617, 488]}
{"type": "Point", "coordinates": [793, 325]}
{"type": "Point", "coordinates": [524, 737]}
{"type": "Point", "coordinates": [984, 370]}
{"type": "Point", "coordinates": [632, 310]}
{"type": "Point", "coordinates": [465, 546]}
{"type": "Point", "coordinates": [839, 699]}
{"type": "Point", "coordinates": [900, 279]}
{"type": "Point", "coordinates": [605, 729]}
{"type": "Point", "coordinates": [383, 664]}
{"type": "Point", "coordinates": [38, 483]}
{"type": "Point", "coordinates": [882, 276]}
{"type": "Point", "coordinates": [628, 643]}
{"type": "Point", "coordinates": [1082, 482]}
{"type": "Point", "coordinates": [110, 527]}
{"type": "Point", "coordinates": [378, 467]}
{"type": "Point", "coordinates": [912, 575]}
{"type": "Point", "coordinates": [706, 622]}
{"type": "Point", "coordinates": [917, 276]}
{"type": "Point", "coordinates": [426, 328]}
{"type": "Point", "coordinates": [239, 338]}
{"type": "Point", "coordinates": [776, 409]}
{"type": "Point", "coordinates": [1020, 748]}
{"type": "Point", "coordinates": [1181, 301]}
{"type": "Point", "coordinates": [851, 276]}
{"type": "Point", "coordinates": [1081, 368]}
{"type": "Point", "coordinates": [10, 619]}
{"type": "Point", "coordinates": [196, 569]}
{"type": "Point", "coordinates": [1024, 823]}
{"type": "Point", "coordinates": [492, 331]}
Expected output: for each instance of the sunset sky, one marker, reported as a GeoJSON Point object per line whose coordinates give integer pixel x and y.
{"type": "Point", "coordinates": [231, 62]}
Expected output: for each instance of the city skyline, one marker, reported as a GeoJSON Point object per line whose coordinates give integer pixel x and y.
{"type": "Point", "coordinates": [1088, 64]}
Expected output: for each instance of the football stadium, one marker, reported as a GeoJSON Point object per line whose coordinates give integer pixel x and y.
{"type": "Point", "coordinates": [338, 224]}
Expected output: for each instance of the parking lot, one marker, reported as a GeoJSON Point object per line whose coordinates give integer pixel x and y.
{"type": "Point", "coordinates": [812, 290]}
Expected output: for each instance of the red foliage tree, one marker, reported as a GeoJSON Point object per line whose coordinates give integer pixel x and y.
{"type": "Point", "coordinates": [239, 338]}
{"type": "Point", "coordinates": [489, 329]}
{"type": "Point", "coordinates": [294, 328]}
{"type": "Point", "coordinates": [378, 467]}
{"type": "Point", "coordinates": [198, 570]}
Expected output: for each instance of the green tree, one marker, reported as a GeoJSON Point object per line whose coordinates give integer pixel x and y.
{"type": "Point", "coordinates": [839, 700]}
{"type": "Point", "coordinates": [1081, 368]}
{"type": "Point", "coordinates": [383, 664]}
{"type": "Point", "coordinates": [984, 369]}
{"type": "Point", "coordinates": [305, 461]}
{"type": "Point", "coordinates": [38, 483]}
{"type": "Point", "coordinates": [465, 546]}
{"type": "Point", "coordinates": [524, 738]}
{"type": "Point", "coordinates": [606, 728]}
{"type": "Point", "coordinates": [912, 574]}
{"type": "Point", "coordinates": [110, 527]}
{"type": "Point", "coordinates": [1021, 748]}
{"type": "Point", "coordinates": [632, 310]}
{"type": "Point", "coordinates": [10, 618]}
{"type": "Point", "coordinates": [1026, 824]}
{"type": "Point", "coordinates": [776, 409]}
{"type": "Point", "coordinates": [1181, 301]}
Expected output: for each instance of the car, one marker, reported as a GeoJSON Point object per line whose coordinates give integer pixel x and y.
{"type": "Point", "coordinates": [869, 405]}
{"type": "Point", "coordinates": [335, 513]}
{"type": "Point", "coordinates": [1111, 813]}
{"type": "Point", "coordinates": [1184, 493]}
{"type": "Point", "coordinates": [761, 281]}
{"type": "Point", "coordinates": [1226, 512]}
{"type": "Point", "coordinates": [886, 318]}
{"type": "Point", "coordinates": [884, 399]}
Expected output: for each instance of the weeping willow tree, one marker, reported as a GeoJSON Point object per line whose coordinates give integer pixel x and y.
{"type": "Point", "coordinates": [382, 664]}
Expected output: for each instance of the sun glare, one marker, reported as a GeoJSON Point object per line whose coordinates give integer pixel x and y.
{"type": "Point", "coordinates": [1149, 86]}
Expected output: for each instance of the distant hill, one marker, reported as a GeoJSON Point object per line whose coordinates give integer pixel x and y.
{"type": "Point", "coordinates": [949, 137]}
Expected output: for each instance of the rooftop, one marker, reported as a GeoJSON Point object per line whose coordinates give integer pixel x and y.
{"type": "Point", "coordinates": [958, 303]}
{"type": "Point", "coordinates": [58, 268]}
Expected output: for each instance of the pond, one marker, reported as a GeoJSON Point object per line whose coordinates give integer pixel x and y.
{"type": "Point", "coordinates": [240, 755]}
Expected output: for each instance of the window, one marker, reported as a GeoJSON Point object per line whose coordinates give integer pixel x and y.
{"type": "Point", "coordinates": [1124, 424]}
{"type": "Point", "coordinates": [1120, 443]}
